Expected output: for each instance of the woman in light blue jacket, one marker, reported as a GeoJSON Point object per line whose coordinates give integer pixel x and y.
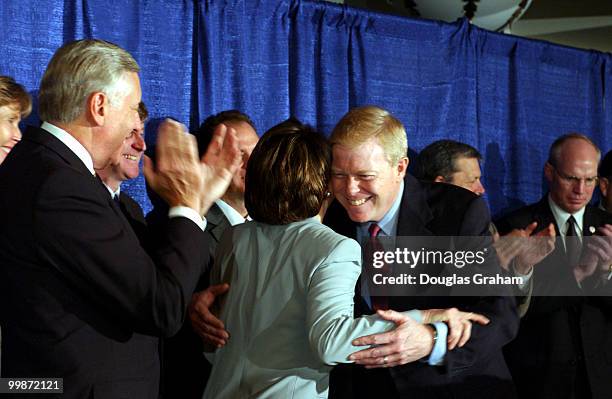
{"type": "Point", "coordinates": [290, 307]}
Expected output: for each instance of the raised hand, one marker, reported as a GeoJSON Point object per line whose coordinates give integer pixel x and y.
{"type": "Point", "coordinates": [219, 164]}
{"type": "Point", "coordinates": [176, 176]}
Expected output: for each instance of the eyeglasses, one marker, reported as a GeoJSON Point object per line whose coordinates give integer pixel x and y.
{"type": "Point", "coordinates": [573, 180]}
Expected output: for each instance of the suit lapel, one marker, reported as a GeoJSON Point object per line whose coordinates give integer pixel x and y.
{"type": "Point", "coordinates": [46, 139]}
{"type": "Point", "coordinates": [216, 221]}
{"type": "Point", "coordinates": [53, 144]}
{"type": "Point", "coordinates": [544, 216]}
{"type": "Point", "coordinates": [414, 213]}
{"type": "Point", "coordinates": [590, 221]}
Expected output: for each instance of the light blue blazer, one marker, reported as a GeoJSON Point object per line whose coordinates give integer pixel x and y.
{"type": "Point", "coordinates": [289, 310]}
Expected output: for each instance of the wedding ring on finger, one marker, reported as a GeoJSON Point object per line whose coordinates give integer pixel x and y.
{"type": "Point", "coordinates": [385, 360]}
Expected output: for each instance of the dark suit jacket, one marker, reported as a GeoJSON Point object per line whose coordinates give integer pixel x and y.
{"type": "Point", "coordinates": [78, 294]}
{"type": "Point", "coordinates": [478, 369]}
{"type": "Point", "coordinates": [185, 369]}
{"type": "Point", "coordinates": [133, 213]}
{"type": "Point", "coordinates": [564, 344]}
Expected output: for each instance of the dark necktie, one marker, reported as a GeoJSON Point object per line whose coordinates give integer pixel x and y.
{"type": "Point", "coordinates": [573, 247]}
{"type": "Point", "coordinates": [378, 302]}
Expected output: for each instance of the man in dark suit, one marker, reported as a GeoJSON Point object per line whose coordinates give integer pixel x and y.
{"type": "Point", "coordinates": [454, 162]}
{"type": "Point", "coordinates": [184, 367]}
{"type": "Point", "coordinates": [370, 182]}
{"type": "Point", "coordinates": [75, 284]}
{"type": "Point", "coordinates": [125, 166]}
{"type": "Point", "coordinates": [371, 187]}
{"type": "Point", "coordinates": [564, 347]}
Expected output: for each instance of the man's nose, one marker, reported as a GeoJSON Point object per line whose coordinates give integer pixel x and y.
{"type": "Point", "coordinates": [139, 142]}
{"type": "Point", "coordinates": [479, 188]}
{"type": "Point", "coordinates": [16, 134]}
{"type": "Point", "coordinates": [579, 186]}
{"type": "Point", "coordinates": [352, 186]}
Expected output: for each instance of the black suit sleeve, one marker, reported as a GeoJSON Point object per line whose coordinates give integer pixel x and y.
{"type": "Point", "coordinates": [501, 310]}
{"type": "Point", "coordinates": [104, 261]}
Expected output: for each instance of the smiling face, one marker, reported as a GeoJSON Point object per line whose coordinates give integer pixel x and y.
{"type": "Point", "coordinates": [363, 180]}
{"type": "Point", "coordinates": [9, 129]}
{"type": "Point", "coordinates": [125, 164]}
{"type": "Point", "coordinates": [573, 178]}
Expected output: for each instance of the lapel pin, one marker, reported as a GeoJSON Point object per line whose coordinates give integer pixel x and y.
{"type": "Point", "coordinates": [591, 229]}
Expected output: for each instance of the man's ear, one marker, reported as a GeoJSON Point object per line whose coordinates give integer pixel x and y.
{"type": "Point", "coordinates": [439, 179]}
{"type": "Point", "coordinates": [402, 167]}
{"type": "Point", "coordinates": [97, 107]}
{"type": "Point", "coordinates": [549, 170]}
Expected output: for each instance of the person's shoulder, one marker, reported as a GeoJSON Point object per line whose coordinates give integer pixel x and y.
{"type": "Point", "coordinates": [308, 234]}
{"type": "Point", "coordinates": [521, 217]}
{"type": "Point", "coordinates": [529, 210]}
{"type": "Point", "coordinates": [452, 203]}
{"type": "Point", "coordinates": [449, 194]}
{"type": "Point", "coordinates": [601, 216]}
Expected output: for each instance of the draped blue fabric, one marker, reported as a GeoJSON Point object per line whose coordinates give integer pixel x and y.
{"type": "Point", "coordinates": [507, 96]}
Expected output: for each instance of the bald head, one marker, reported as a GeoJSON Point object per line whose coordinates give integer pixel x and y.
{"type": "Point", "coordinates": [572, 171]}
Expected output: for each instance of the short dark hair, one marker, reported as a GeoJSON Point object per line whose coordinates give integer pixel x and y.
{"type": "Point", "coordinates": [439, 157]}
{"type": "Point", "coordinates": [287, 175]}
{"type": "Point", "coordinates": [605, 167]}
{"type": "Point", "coordinates": [206, 130]}
{"type": "Point", "coordinates": [143, 112]}
{"type": "Point", "coordinates": [12, 93]}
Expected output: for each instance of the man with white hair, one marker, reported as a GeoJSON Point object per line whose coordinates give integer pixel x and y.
{"type": "Point", "coordinates": [78, 294]}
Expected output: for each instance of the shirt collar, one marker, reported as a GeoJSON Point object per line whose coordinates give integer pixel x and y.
{"type": "Point", "coordinates": [114, 194]}
{"type": "Point", "coordinates": [561, 217]}
{"type": "Point", "coordinates": [388, 223]}
{"type": "Point", "coordinates": [72, 143]}
{"type": "Point", "coordinates": [233, 217]}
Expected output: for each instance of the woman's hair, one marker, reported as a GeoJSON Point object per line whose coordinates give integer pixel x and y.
{"type": "Point", "coordinates": [13, 94]}
{"type": "Point", "coordinates": [287, 174]}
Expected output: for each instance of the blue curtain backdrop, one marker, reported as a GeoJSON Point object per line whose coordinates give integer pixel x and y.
{"type": "Point", "coordinates": [507, 96]}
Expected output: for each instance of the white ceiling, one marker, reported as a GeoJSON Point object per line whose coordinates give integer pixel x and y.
{"type": "Point", "coordinates": [577, 23]}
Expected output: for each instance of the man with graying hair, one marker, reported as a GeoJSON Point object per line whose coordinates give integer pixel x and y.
{"type": "Point", "coordinates": [80, 299]}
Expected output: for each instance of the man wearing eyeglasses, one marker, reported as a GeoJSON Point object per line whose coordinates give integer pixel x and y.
{"type": "Point", "coordinates": [564, 345]}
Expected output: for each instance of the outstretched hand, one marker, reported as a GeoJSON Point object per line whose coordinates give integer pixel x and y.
{"type": "Point", "coordinates": [408, 342]}
{"type": "Point", "coordinates": [459, 324]}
